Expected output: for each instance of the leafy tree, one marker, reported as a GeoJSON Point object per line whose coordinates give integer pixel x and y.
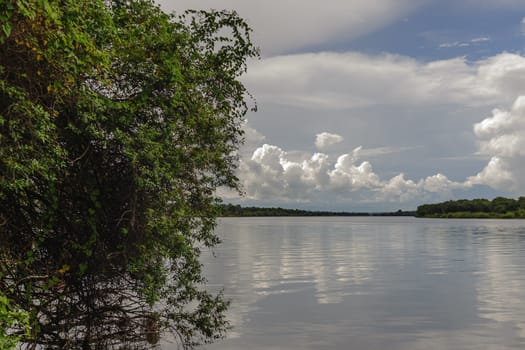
{"type": "Point", "coordinates": [521, 202]}
{"type": "Point", "coordinates": [502, 205]}
{"type": "Point", "coordinates": [480, 205]}
{"type": "Point", "coordinates": [117, 124]}
{"type": "Point", "coordinates": [10, 319]}
{"type": "Point", "coordinates": [499, 207]}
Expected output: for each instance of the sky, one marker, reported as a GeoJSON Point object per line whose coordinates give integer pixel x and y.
{"type": "Point", "coordinates": [381, 105]}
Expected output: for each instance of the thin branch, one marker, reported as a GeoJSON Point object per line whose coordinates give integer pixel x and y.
{"type": "Point", "coordinates": [81, 156]}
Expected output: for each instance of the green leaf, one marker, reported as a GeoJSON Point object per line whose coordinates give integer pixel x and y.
{"type": "Point", "coordinates": [6, 28]}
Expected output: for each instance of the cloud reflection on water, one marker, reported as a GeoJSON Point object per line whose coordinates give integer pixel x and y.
{"type": "Point", "coordinates": [372, 283]}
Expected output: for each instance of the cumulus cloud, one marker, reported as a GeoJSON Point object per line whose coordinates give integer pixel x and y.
{"type": "Point", "coordinates": [496, 175]}
{"type": "Point", "coordinates": [270, 174]}
{"type": "Point", "coordinates": [328, 80]}
{"type": "Point", "coordinates": [284, 26]}
{"type": "Point", "coordinates": [252, 139]}
{"type": "Point", "coordinates": [502, 137]}
{"type": "Point", "coordinates": [347, 176]}
{"type": "Point", "coordinates": [324, 140]}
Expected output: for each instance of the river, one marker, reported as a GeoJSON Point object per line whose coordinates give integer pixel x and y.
{"type": "Point", "coordinates": [371, 283]}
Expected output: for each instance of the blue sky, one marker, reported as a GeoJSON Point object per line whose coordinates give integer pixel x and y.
{"type": "Point", "coordinates": [446, 29]}
{"type": "Point", "coordinates": [381, 105]}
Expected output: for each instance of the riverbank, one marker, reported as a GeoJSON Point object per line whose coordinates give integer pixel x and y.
{"type": "Point", "coordinates": [498, 208]}
{"type": "Point", "coordinates": [230, 210]}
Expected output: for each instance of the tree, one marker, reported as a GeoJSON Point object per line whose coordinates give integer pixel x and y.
{"type": "Point", "coordinates": [503, 205]}
{"type": "Point", "coordinates": [521, 202]}
{"type": "Point", "coordinates": [11, 318]}
{"type": "Point", "coordinates": [117, 124]}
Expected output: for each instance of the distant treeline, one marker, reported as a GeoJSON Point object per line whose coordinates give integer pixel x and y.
{"type": "Point", "coordinates": [237, 210]}
{"type": "Point", "coordinates": [499, 207]}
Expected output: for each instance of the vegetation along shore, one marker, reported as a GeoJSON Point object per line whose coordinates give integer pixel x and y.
{"type": "Point", "coordinates": [498, 208]}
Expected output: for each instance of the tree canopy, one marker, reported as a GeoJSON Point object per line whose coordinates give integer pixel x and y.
{"type": "Point", "coordinates": [236, 210]}
{"type": "Point", "coordinates": [499, 207]}
{"type": "Point", "coordinates": [117, 124]}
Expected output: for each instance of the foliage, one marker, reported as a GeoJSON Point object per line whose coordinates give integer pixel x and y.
{"type": "Point", "coordinates": [238, 211]}
{"type": "Point", "coordinates": [499, 207]}
{"type": "Point", "coordinates": [11, 318]}
{"type": "Point", "coordinates": [117, 124]}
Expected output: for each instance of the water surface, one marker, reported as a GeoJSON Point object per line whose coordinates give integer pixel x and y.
{"type": "Point", "coordinates": [371, 283]}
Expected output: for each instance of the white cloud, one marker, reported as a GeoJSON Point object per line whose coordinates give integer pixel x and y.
{"type": "Point", "coordinates": [287, 25]}
{"type": "Point", "coordinates": [324, 140]}
{"type": "Point", "coordinates": [502, 137]}
{"type": "Point", "coordinates": [480, 39]}
{"type": "Point", "coordinates": [381, 151]}
{"type": "Point", "coordinates": [252, 139]}
{"type": "Point", "coordinates": [348, 176]}
{"type": "Point", "coordinates": [440, 184]}
{"type": "Point", "coordinates": [471, 42]}
{"type": "Point", "coordinates": [454, 44]}
{"type": "Point", "coordinates": [328, 81]}
{"type": "Point", "coordinates": [496, 175]}
{"type": "Point", "coordinates": [270, 174]}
